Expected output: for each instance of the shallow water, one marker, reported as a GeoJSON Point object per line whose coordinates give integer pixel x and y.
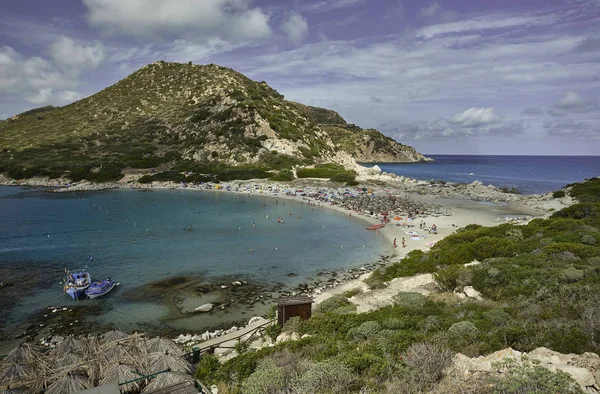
{"type": "Point", "coordinates": [138, 237]}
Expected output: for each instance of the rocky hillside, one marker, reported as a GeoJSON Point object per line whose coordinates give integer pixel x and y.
{"type": "Point", "coordinates": [166, 114]}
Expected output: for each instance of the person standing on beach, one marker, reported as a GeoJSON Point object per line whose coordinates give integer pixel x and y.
{"type": "Point", "coordinates": [403, 243]}
{"type": "Point", "coordinates": [395, 246]}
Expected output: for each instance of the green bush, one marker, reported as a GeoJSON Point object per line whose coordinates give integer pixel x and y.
{"type": "Point", "coordinates": [325, 377]}
{"type": "Point", "coordinates": [558, 194]}
{"type": "Point", "coordinates": [207, 368]}
{"type": "Point", "coordinates": [344, 177]}
{"type": "Point", "coordinates": [530, 378]}
{"type": "Point", "coordinates": [283, 176]}
{"type": "Point", "coordinates": [366, 330]}
{"type": "Point", "coordinates": [464, 330]}
{"type": "Point", "coordinates": [333, 303]}
{"type": "Point", "coordinates": [409, 300]}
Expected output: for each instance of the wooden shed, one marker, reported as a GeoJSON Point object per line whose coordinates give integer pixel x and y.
{"type": "Point", "coordinates": [293, 306]}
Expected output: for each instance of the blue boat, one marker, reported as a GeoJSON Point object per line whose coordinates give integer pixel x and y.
{"type": "Point", "coordinates": [76, 283]}
{"type": "Point", "coordinates": [100, 288]}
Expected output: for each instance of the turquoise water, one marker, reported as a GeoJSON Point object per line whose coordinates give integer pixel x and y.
{"type": "Point", "coordinates": [138, 237]}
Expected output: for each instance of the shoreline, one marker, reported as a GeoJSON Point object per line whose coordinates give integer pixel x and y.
{"type": "Point", "coordinates": [463, 212]}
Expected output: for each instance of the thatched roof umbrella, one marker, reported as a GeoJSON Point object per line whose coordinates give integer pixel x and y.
{"type": "Point", "coordinates": [160, 362]}
{"type": "Point", "coordinates": [14, 372]}
{"type": "Point", "coordinates": [68, 384]}
{"type": "Point", "coordinates": [162, 345]}
{"type": "Point", "coordinates": [69, 360]}
{"type": "Point", "coordinates": [113, 336]}
{"type": "Point", "coordinates": [69, 345]}
{"type": "Point", "coordinates": [119, 373]}
{"type": "Point", "coordinates": [166, 379]}
{"type": "Point", "coordinates": [19, 355]}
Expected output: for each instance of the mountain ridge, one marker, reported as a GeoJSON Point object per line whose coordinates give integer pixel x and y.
{"type": "Point", "coordinates": [165, 114]}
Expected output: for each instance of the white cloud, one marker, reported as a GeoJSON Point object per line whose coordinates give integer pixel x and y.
{"type": "Point", "coordinates": [295, 28]}
{"type": "Point", "coordinates": [329, 5]}
{"type": "Point", "coordinates": [486, 22]}
{"type": "Point", "coordinates": [74, 57]}
{"type": "Point", "coordinates": [67, 96]}
{"type": "Point", "coordinates": [232, 20]}
{"type": "Point", "coordinates": [430, 10]}
{"type": "Point", "coordinates": [572, 102]}
{"type": "Point", "coordinates": [570, 128]}
{"type": "Point", "coordinates": [476, 117]}
{"type": "Point", "coordinates": [533, 111]}
{"type": "Point", "coordinates": [31, 78]}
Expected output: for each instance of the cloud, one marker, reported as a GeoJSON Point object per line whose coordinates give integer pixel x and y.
{"type": "Point", "coordinates": [376, 99]}
{"type": "Point", "coordinates": [553, 111]}
{"type": "Point", "coordinates": [589, 44]}
{"type": "Point", "coordinates": [486, 22]}
{"type": "Point", "coordinates": [573, 129]}
{"type": "Point", "coordinates": [67, 96]}
{"type": "Point", "coordinates": [476, 117]}
{"type": "Point", "coordinates": [533, 111]}
{"type": "Point", "coordinates": [74, 57]}
{"type": "Point", "coordinates": [31, 78]}
{"type": "Point", "coordinates": [572, 102]}
{"type": "Point", "coordinates": [295, 28]}
{"type": "Point", "coordinates": [430, 10]}
{"type": "Point", "coordinates": [329, 5]}
{"type": "Point", "coordinates": [231, 20]}
{"type": "Point", "coordinates": [472, 123]}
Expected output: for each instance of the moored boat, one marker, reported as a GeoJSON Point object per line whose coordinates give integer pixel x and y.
{"type": "Point", "coordinates": [76, 283]}
{"type": "Point", "coordinates": [376, 226]}
{"type": "Point", "coordinates": [100, 288]}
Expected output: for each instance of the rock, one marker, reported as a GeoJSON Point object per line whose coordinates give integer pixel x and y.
{"type": "Point", "coordinates": [472, 293]}
{"type": "Point", "coordinates": [472, 263]}
{"type": "Point", "coordinates": [214, 389]}
{"type": "Point", "coordinates": [484, 366]}
{"type": "Point", "coordinates": [227, 348]}
{"type": "Point", "coordinates": [295, 336]}
{"type": "Point", "coordinates": [256, 320]}
{"type": "Point", "coordinates": [580, 375]}
{"type": "Point", "coordinates": [204, 308]}
{"type": "Point", "coordinates": [284, 336]}
{"type": "Point", "coordinates": [236, 283]}
{"type": "Point", "coordinates": [305, 336]}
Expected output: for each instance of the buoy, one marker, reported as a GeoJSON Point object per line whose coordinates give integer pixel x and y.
{"type": "Point", "coordinates": [48, 235]}
{"type": "Point", "coordinates": [342, 246]}
{"type": "Point", "coordinates": [251, 249]}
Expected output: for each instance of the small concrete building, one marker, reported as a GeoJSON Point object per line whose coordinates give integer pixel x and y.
{"type": "Point", "coordinates": [293, 306]}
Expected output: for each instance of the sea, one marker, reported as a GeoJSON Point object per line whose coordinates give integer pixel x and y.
{"type": "Point", "coordinates": [138, 237]}
{"type": "Point", "coordinates": [529, 174]}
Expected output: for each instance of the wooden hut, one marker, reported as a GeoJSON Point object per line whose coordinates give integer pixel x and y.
{"type": "Point", "coordinates": [293, 306]}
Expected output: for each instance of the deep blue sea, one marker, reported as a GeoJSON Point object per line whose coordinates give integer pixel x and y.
{"type": "Point", "coordinates": [529, 174]}
{"type": "Point", "coordinates": [138, 237]}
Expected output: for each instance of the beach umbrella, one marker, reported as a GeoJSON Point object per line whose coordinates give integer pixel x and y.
{"type": "Point", "coordinates": [162, 345]}
{"type": "Point", "coordinates": [68, 360]}
{"type": "Point", "coordinates": [160, 362]}
{"type": "Point", "coordinates": [19, 354]}
{"type": "Point", "coordinates": [113, 336]}
{"type": "Point", "coordinates": [68, 345]}
{"type": "Point", "coordinates": [120, 373]}
{"type": "Point", "coordinates": [164, 380]}
{"type": "Point", "coordinates": [14, 373]}
{"type": "Point", "coordinates": [68, 384]}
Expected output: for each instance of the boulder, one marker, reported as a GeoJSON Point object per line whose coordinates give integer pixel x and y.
{"type": "Point", "coordinates": [204, 308]}
{"type": "Point", "coordinates": [295, 336]}
{"type": "Point", "coordinates": [580, 375]}
{"type": "Point", "coordinates": [284, 336]}
{"type": "Point", "coordinates": [256, 320]}
{"type": "Point", "coordinates": [236, 283]}
{"type": "Point", "coordinates": [472, 293]}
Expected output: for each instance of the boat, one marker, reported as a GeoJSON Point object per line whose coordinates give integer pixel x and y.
{"type": "Point", "coordinates": [76, 283]}
{"type": "Point", "coordinates": [376, 226]}
{"type": "Point", "coordinates": [100, 288]}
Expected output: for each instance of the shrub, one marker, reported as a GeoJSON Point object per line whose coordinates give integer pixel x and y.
{"type": "Point", "coordinates": [207, 367]}
{"type": "Point", "coordinates": [528, 378]}
{"type": "Point", "coordinates": [268, 378]}
{"type": "Point", "coordinates": [367, 330]}
{"type": "Point", "coordinates": [292, 324]}
{"type": "Point", "coordinates": [241, 347]}
{"type": "Point", "coordinates": [428, 360]}
{"type": "Point", "coordinates": [333, 303]}
{"type": "Point", "coordinates": [344, 177]}
{"type": "Point", "coordinates": [588, 239]}
{"type": "Point", "coordinates": [464, 330]}
{"type": "Point", "coordinates": [352, 183]}
{"type": "Point", "coordinates": [558, 194]}
{"type": "Point", "coordinates": [324, 377]}
{"type": "Point", "coordinates": [571, 275]}
{"type": "Point", "coordinates": [498, 317]}
{"type": "Point", "coordinates": [272, 331]}
{"type": "Point", "coordinates": [409, 300]}
{"type": "Point", "coordinates": [283, 176]}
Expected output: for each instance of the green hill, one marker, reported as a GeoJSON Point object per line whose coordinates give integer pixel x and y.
{"type": "Point", "coordinates": [172, 116]}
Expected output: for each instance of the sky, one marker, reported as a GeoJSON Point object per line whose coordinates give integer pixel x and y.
{"type": "Point", "coordinates": [446, 77]}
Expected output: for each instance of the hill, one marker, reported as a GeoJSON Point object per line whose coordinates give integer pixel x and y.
{"type": "Point", "coordinates": [174, 117]}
